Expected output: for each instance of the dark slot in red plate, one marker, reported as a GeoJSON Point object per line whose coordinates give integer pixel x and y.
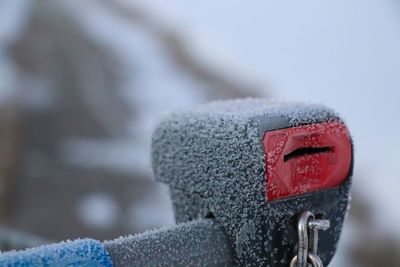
{"type": "Point", "coordinates": [306, 158]}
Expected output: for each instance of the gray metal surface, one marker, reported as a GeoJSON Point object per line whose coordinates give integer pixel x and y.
{"type": "Point", "coordinates": [212, 158]}
{"type": "Point", "coordinates": [197, 243]}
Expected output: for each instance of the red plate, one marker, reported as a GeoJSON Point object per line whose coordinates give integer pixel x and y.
{"type": "Point", "coordinates": [306, 158]}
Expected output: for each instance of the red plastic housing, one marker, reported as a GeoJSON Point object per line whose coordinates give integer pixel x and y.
{"type": "Point", "coordinates": [306, 158]}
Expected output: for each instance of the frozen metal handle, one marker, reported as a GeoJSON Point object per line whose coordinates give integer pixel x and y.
{"type": "Point", "coordinates": [197, 243]}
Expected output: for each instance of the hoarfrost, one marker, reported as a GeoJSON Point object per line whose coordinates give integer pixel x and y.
{"type": "Point", "coordinates": [212, 158]}
{"type": "Point", "coordinates": [81, 252]}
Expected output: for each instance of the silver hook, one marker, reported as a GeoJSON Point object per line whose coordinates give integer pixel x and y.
{"type": "Point", "coordinates": [307, 251]}
{"type": "Point", "coordinates": [302, 230]}
{"type": "Point", "coordinates": [311, 258]}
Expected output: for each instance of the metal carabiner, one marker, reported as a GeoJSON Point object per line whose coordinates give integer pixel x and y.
{"type": "Point", "coordinates": [311, 258]}
{"type": "Point", "coordinates": [307, 230]}
{"type": "Point", "coordinates": [302, 230]}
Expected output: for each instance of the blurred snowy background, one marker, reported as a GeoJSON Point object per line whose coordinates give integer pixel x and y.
{"type": "Point", "coordinates": [81, 83]}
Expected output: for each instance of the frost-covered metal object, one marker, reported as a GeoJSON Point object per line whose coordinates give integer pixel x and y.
{"type": "Point", "coordinates": [197, 243]}
{"type": "Point", "coordinates": [254, 166]}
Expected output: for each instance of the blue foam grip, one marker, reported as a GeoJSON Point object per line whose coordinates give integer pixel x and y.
{"type": "Point", "coordinates": [82, 252]}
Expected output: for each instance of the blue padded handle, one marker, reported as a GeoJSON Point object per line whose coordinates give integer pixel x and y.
{"type": "Point", "coordinates": [82, 252]}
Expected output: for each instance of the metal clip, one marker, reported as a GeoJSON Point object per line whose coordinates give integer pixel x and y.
{"type": "Point", "coordinates": [307, 251]}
